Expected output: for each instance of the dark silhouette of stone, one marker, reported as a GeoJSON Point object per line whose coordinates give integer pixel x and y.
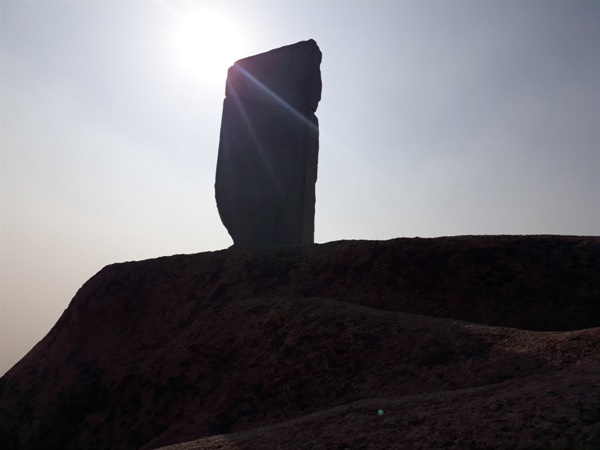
{"type": "Point", "coordinates": [269, 144]}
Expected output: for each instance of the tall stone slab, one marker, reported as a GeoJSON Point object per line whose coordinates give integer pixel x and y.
{"type": "Point", "coordinates": [269, 145]}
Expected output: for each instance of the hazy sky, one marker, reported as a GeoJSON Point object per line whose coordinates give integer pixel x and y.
{"type": "Point", "coordinates": [437, 118]}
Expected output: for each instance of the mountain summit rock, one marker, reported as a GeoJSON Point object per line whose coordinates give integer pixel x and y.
{"type": "Point", "coordinates": [269, 145]}
{"type": "Point", "coordinates": [464, 342]}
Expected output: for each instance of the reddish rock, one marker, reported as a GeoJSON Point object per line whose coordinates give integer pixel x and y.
{"type": "Point", "coordinates": [554, 411]}
{"type": "Point", "coordinates": [465, 342]}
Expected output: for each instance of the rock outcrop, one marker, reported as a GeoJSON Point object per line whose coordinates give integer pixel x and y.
{"type": "Point", "coordinates": [269, 144]}
{"type": "Point", "coordinates": [465, 342]}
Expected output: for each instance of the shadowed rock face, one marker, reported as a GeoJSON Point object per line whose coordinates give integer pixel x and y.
{"type": "Point", "coordinates": [299, 347]}
{"type": "Point", "coordinates": [268, 149]}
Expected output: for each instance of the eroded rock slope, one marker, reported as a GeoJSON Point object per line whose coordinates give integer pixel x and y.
{"type": "Point", "coordinates": [464, 342]}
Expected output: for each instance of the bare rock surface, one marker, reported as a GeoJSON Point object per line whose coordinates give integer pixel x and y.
{"type": "Point", "coordinates": [464, 342]}
{"type": "Point", "coordinates": [269, 145]}
{"type": "Point", "coordinates": [554, 411]}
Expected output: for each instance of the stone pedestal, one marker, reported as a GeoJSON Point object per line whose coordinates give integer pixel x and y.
{"type": "Point", "coordinates": [268, 150]}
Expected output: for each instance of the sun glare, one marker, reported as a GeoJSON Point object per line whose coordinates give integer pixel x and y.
{"type": "Point", "coordinates": [207, 44]}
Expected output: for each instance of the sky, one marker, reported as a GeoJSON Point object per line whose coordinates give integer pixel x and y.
{"type": "Point", "coordinates": [437, 118]}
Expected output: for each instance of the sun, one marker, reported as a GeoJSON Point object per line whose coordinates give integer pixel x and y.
{"type": "Point", "coordinates": [207, 44]}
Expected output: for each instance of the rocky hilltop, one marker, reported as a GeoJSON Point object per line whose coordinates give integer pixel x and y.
{"type": "Point", "coordinates": [462, 342]}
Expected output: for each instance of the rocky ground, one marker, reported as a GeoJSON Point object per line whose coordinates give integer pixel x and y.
{"type": "Point", "coordinates": [464, 342]}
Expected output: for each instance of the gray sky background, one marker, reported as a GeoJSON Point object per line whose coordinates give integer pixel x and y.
{"type": "Point", "coordinates": [437, 118]}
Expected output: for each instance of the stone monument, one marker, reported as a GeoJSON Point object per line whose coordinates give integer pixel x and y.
{"type": "Point", "coordinates": [269, 146]}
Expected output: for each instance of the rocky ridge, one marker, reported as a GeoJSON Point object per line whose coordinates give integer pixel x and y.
{"type": "Point", "coordinates": [463, 342]}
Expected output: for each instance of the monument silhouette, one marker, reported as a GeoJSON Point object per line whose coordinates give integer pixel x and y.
{"type": "Point", "coordinates": [269, 146]}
